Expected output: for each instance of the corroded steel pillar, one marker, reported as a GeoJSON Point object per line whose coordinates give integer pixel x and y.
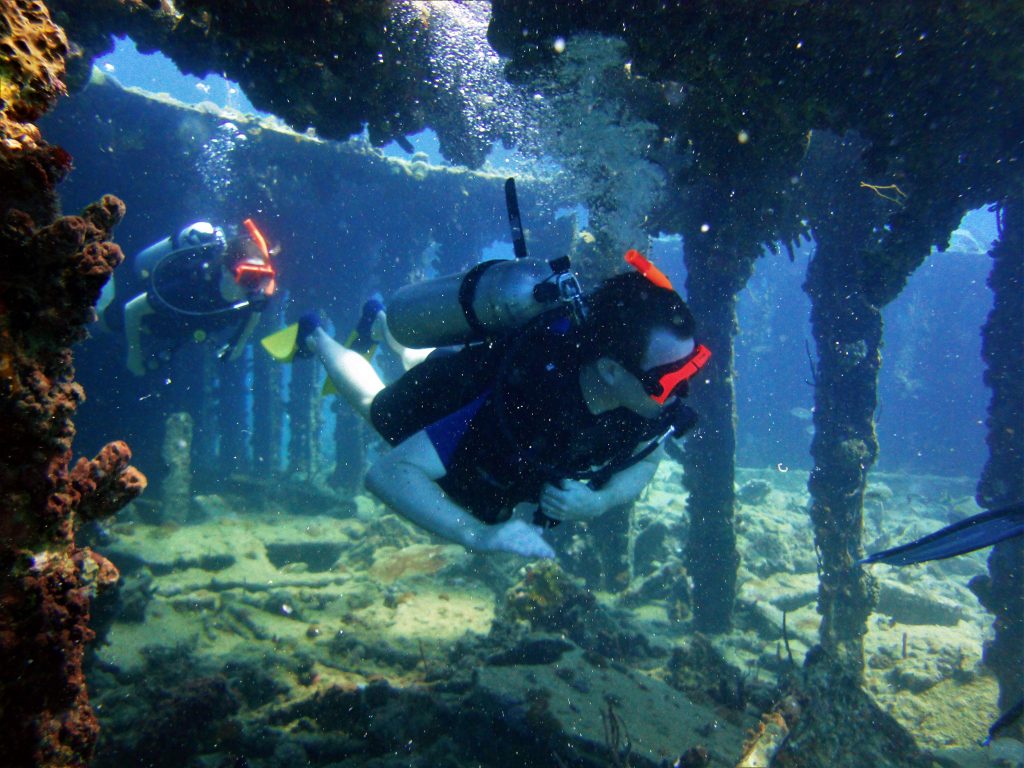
{"type": "Point", "coordinates": [847, 331]}
{"type": "Point", "coordinates": [718, 266]}
{"type": "Point", "coordinates": [232, 415]}
{"type": "Point", "coordinates": [268, 413]}
{"type": "Point", "coordinates": [1002, 481]}
{"type": "Point", "coordinates": [303, 424]}
{"type": "Point", "coordinates": [350, 434]}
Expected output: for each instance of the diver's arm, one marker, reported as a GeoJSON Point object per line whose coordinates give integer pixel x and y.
{"type": "Point", "coordinates": [244, 335]}
{"type": "Point", "coordinates": [406, 480]}
{"type": "Point", "coordinates": [134, 312]}
{"type": "Point", "coordinates": [625, 486]}
{"type": "Point", "coordinates": [579, 501]}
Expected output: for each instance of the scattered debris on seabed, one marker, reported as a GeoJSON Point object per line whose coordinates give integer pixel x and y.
{"type": "Point", "coordinates": [272, 638]}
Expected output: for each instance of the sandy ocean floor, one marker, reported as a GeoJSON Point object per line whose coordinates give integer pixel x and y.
{"type": "Point", "coordinates": [275, 614]}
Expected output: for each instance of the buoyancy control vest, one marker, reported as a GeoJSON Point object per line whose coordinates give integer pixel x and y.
{"type": "Point", "coordinates": [507, 299]}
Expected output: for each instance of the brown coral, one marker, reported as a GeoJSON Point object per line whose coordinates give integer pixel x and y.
{"type": "Point", "coordinates": [51, 277]}
{"type": "Point", "coordinates": [51, 273]}
{"type": "Point", "coordinates": [107, 482]}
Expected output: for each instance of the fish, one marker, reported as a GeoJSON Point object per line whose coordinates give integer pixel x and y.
{"type": "Point", "coordinates": [975, 532]}
{"type": "Point", "coordinates": [804, 414]}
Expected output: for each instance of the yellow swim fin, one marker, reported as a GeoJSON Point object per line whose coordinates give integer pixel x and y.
{"type": "Point", "coordinates": [281, 344]}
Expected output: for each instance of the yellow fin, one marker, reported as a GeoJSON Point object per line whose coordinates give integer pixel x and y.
{"type": "Point", "coordinates": [281, 344]}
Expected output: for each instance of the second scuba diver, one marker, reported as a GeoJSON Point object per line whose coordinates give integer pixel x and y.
{"type": "Point", "coordinates": [560, 419]}
{"type": "Point", "coordinates": [203, 281]}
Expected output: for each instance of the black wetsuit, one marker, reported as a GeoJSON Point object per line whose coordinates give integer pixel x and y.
{"type": "Point", "coordinates": [500, 443]}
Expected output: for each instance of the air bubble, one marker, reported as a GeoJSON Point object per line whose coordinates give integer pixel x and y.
{"type": "Point", "coordinates": [216, 161]}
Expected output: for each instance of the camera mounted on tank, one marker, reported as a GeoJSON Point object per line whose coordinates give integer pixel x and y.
{"type": "Point", "coordinates": [562, 287]}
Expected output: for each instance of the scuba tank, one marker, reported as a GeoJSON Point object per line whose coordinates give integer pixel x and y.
{"type": "Point", "coordinates": [492, 298]}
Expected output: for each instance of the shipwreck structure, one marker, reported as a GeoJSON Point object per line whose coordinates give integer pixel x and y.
{"type": "Point", "coordinates": [747, 143]}
{"type": "Point", "coordinates": [753, 155]}
{"type": "Point", "coordinates": [349, 221]}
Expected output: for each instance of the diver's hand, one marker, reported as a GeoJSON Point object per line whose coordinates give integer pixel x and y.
{"type": "Point", "coordinates": [517, 537]}
{"type": "Point", "coordinates": [573, 501]}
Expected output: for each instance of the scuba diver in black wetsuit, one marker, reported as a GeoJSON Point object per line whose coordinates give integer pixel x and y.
{"type": "Point", "coordinates": [560, 418]}
{"type": "Point", "coordinates": [200, 282]}
{"type": "Point", "coordinates": [555, 406]}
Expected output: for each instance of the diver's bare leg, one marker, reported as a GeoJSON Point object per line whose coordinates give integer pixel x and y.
{"type": "Point", "coordinates": [350, 372]}
{"type": "Point", "coordinates": [410, 357]}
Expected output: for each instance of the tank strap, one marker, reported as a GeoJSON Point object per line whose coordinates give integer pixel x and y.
{"type": "Point", "coordinates": [467, 295]}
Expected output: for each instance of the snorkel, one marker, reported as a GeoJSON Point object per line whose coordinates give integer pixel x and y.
{"type": "Point", "coordinates": [638, 262]}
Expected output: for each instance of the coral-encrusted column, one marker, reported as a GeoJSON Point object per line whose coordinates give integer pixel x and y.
{"type": "Point", "coordinates": [847, 329]}
{"type": "Point", "coordinates": [51, 273]}
{"type": "Point", "coordinates": [350, 435]}
{"type": "Point", "coordinates": [1002, 482]}
{"type": "Point", "coordinates": [302, 402]}
{"type": "Point", "coordinates": [176, 489]}
{"type": "Point", "coordinates": [868, 243]}
{"type": "Point", "coordinates": [848, 333]}
{"type": "Point", "coordinates": [51, 278]}
{"type": "Point", "coordinates": [718, 267]}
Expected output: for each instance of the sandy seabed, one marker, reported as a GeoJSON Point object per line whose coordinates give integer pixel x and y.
{"type": "Point", "coordinates": [268, 619]}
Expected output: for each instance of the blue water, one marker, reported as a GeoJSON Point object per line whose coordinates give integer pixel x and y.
{"type": "Point", "coordinates": [156, 73]}
{"type": "Point", "coordinates": [931, 358]}
{"type": "Point", "coordinates": [240, 585]}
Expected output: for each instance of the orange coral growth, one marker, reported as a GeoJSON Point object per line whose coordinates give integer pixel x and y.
{"type": "Point", "coordinates": [51, 273]}
{"type": "Point", "coordinates": [391, 564]}
{"type": "Point", "coordinates": [33, 49]}
{"type": "Point", "coordinates": [764, 741]}
{"type": "Point", "coordinates": [96, 569]}
{"type": "Point", "coordinates": [107, 482]}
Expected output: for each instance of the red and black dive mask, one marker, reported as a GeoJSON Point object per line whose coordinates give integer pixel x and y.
{"type": "Point", "coordinates": [671, 378]}
{"type": "Point", "coordinates": [255, 272]}
{"type": "Point", "coordinates": [668, 379]}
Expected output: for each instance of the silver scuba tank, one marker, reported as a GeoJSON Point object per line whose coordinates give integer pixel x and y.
{"type": "Point", "coordinates": [491, 298]}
